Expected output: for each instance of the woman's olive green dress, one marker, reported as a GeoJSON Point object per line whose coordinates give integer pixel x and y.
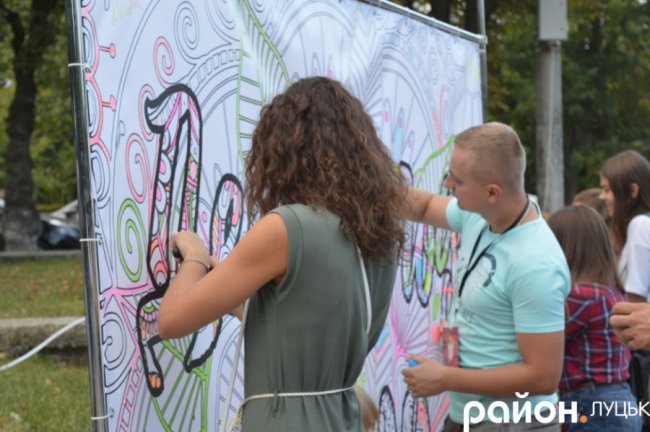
{"type": "Point", "coordinates": [308, 333]}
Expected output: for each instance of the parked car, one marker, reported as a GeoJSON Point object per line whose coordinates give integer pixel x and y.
{"type": "Point", "coordinates": [60, 228]}
{"type": "Point", "coordinates": [68, 213]}
{"type": "Point", "coordinates": [58, 233]}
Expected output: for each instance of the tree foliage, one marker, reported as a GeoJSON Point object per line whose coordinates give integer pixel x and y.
{"type": "Point", "coordinates": [606, 63]}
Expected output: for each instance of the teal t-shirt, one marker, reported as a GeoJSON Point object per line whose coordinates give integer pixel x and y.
{"type": "Point", "coordinates": [518, 286]}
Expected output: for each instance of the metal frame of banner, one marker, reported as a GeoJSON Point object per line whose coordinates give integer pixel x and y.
{"type": "Point", "coordinates": [484, 69]}
{"type": "Point", "coordinates": [77, 68]}
{"type": "Point", "coordinates": [456, 31]}
{"type": "Point", "coordinates": [481, 38]}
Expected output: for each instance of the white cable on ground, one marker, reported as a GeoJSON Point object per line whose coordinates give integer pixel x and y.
{"type": "Point", "coordinates": [42, 345]}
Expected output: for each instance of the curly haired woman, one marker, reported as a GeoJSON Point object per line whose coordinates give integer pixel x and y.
{"type": "Point", "coordinates": [329, 199]}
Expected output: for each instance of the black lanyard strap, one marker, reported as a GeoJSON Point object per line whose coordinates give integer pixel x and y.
{"type": "Point", "coordinates": [471, 267]}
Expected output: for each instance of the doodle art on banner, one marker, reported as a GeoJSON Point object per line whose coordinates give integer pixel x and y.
{"type": "Point", "coordinates": [173, 93]}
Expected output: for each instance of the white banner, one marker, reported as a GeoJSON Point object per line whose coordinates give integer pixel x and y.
{"type": "Point", "coordinates": [173, 94]}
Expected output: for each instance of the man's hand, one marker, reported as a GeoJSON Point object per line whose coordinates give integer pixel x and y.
{"type": "Point", "coordinates": [631, 323]}
{"type": "Point", "coordinates": [425, 379]}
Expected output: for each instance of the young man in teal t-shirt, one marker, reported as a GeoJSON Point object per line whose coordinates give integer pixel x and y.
{"type": "Point", "coordinates": [509, 289]}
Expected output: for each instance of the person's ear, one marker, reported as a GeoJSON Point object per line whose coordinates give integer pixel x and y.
{"type": "Point", "coordinates": [494, 192]}
{"type": "Point", "coordinates": [634, 190]}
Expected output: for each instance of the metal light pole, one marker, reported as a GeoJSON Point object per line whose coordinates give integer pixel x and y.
{"type": "Point", "coordinates": [550, 149]}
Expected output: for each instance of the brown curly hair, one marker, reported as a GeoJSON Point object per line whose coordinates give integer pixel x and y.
{"type": "Point", "coordinates": [315, 145]}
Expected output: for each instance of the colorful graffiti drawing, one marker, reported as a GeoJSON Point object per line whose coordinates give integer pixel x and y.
{"type": "Point", "coordinates": [173, 93]}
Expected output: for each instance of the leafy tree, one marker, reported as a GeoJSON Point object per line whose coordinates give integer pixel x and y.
{"type": "Point", "coordinates": [605, 94]}
{"type": "Point", "coordinates": [606, 101]}
{"type": "Point", "coordinates": [32, 26]}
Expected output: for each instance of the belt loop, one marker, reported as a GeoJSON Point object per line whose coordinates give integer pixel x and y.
{"type": "Point", "coordinates": [276, 402]}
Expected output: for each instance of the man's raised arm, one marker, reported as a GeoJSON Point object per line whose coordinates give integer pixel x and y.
{"type": "Point", "coordinates": [426, 207]}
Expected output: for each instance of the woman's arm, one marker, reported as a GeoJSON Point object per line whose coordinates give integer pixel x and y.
{"type": "Point", "coordinates": [637, 281]}
{"type": "Point", "coordinates": [197, 297]}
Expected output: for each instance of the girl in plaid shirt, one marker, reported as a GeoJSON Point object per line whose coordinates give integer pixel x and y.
{"type": "Point", "coordinates": [596, 364]}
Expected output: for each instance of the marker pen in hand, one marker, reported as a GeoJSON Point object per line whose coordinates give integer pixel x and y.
{"type": "Point", "coordinates": [413, 363]}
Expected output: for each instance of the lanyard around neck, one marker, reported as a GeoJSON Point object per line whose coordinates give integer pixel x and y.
{"type": "Point", "coordinates": [471, 267]}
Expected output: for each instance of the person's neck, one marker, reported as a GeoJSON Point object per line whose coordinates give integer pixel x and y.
{"type": "Point", "coordinates": [502, 218]}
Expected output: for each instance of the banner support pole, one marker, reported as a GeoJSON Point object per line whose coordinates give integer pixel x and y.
{"type": "Point", "coordinates": [483, 54]}
{"type": "Point", "coordinates": [77, 68]}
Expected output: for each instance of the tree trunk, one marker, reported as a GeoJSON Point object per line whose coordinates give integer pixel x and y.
{"type": "Point", "coordinates": [21, 223]}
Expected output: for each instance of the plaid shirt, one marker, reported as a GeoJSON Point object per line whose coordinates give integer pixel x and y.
{"type": "Point", "coordinates": [591, 350]}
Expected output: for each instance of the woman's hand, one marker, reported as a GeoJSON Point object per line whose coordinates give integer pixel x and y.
{"type": "Point", "coordinates": [195, 299]}
{"type": "Point", "coordinates": [190, 245]}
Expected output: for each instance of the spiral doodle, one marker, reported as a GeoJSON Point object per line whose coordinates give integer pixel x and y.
{"type": "Point", "coordinates": [187, 29]}
{"type": "Point", "coordinates": [163, 60]}
{"type": "Point", "coordinates": [140, 160]}
{"type": "Point", "coordinates": [133, 234]}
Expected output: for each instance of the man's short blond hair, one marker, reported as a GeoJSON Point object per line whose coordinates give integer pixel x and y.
{"type": "Point", "coordinates": [498, 156]}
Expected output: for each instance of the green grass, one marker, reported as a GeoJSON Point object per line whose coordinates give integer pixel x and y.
{"type": "Point", "coordinates": [46, 393]}
{"type": "Point", "coordinates": [41, 288]}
